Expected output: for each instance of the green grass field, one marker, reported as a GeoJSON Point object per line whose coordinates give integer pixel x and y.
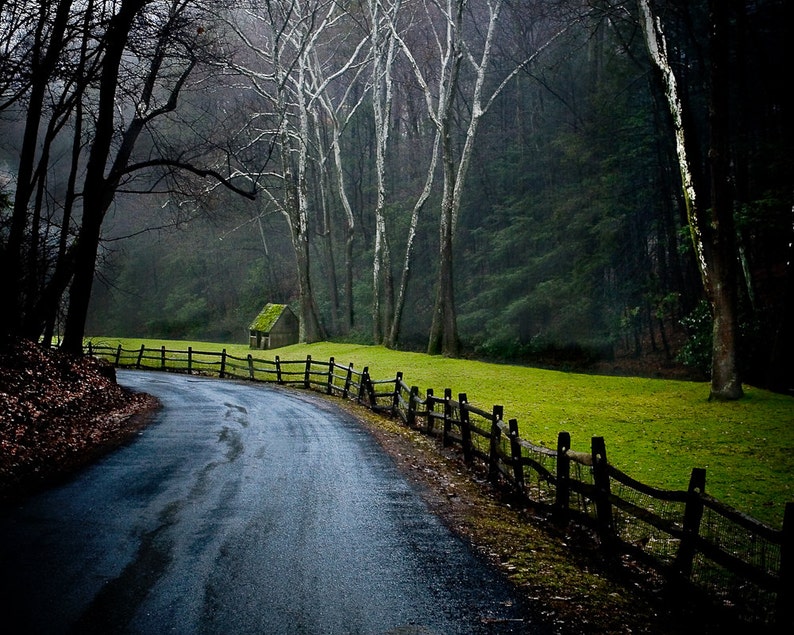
{"type": "Point", "coordinates": [655, 430]}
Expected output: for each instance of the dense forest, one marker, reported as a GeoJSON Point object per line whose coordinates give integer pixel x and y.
{"type": "Point", "coordinates": [531, 181]}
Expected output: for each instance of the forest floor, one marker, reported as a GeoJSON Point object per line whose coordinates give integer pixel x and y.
{"type": "Point", "coordinates": [60, 413]}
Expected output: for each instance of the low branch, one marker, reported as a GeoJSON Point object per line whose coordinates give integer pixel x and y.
{"type": "Point", "coordinates": [202, 172]}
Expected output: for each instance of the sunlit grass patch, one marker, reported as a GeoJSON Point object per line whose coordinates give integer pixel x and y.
{"type": "Point", "coordinates": [655, 430]}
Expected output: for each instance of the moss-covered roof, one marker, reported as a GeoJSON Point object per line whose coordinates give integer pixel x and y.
{"type": "Point", "coordinates": [267, 317]}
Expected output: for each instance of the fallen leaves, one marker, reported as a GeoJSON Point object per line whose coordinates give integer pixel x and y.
{"type": "Point", "coordinates": [57, 413]}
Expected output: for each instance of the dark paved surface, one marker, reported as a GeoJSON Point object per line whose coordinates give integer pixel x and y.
{"type": "Point", "coordinates": [242, 509]}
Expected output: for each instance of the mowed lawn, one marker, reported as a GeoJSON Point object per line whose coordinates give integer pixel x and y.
{"type": "Point", "coordinates": [655, 430]}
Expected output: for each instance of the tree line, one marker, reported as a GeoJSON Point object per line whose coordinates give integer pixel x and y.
{"type": "Point", "coordinates": [514, 179]}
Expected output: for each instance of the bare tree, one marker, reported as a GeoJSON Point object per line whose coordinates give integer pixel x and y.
{"type": "Point", "coordinates": [48, 38]}
{"type": "Point", "coordinates": [282, 43]}
{"type": "Point", "coordinates": [337, 109]}
{"type": "Point", "coordinates": [461, 40]}
{"type": "Point", "coordinates": [167, 38]}
{"type": "Point", "coordinates": [383, 46]}
{"type": "Point", "coordinates": [94, 80]}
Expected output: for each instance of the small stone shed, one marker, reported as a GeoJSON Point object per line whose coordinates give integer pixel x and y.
{"type": "Point", "coordinates": [275, 326]}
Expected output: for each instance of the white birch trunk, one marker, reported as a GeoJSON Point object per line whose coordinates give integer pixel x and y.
{"type": "Point", "coordinates": [657, 47]}
{"type": "Point", "coordinates": [383, 45]}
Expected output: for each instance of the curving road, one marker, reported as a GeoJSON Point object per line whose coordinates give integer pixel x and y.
{"type": "Point", "coordinates": [243, 508]}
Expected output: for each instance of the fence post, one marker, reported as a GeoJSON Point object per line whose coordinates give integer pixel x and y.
{"type": "Point", "coordinates": [366, 384]}
{"type": "Point", "coordinates": [362, 386]}
{"type": "Point", "coordinates": [784, 617]}
{"type": "Point", "coordinates": [251, 366]}
{"type": "Point", "coordinates": [465, 428]}
{"type": "Point", "coordinates": [222, 374]}
{"type": "Point", "coordinates": [562, 499]}
{"type": "Point", "coordinates": [329, 388]}
{"type": "Point", "coordinates": [496, 438]}
{"type": "Point", "coordinates": [278, 370]}
{"type": "Point", "coordinates": [189, 360]}
{"type": "Point", "coordinates": [118, 355]}
{"type": "Point", "coordinates": [431, 408]}
{"type": "Point", "coordinates": [395, 402]}
{"type": "Point", "coordinates": [162, 358]}
{"type": "Point", "coordinates": [306, 373]}
{"type": "Point", "coordinates": [602, 490]}
{"type": "Point", "coordinates": [348, 380]}
{"type": "Point", "coordinates": [515, 450]}
{"type": "Point", "coordinates": [90, 349]}
{"type": "Point", "coordinates": [693, 513]}
{"type": "Point", "coordinates": [140, 356]}
{"type": "Point", "coordinates": [413, 398]}
{"type": "Point", "coordinates": [373, 400]}
{"type": "Point", "coordinates": [447, 417]}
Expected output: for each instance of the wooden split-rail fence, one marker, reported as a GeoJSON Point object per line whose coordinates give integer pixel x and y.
{"type": "Point", "coordinates": [687, 535]}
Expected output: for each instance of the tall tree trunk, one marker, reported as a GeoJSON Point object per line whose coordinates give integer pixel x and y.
{"type": "Point", "coordinates": [443, 330]}
{"type": "Point", "coordinates": [394, 331]}
{"type": "Point", "coordinates": [98, 190]}
{"type": "Point", "coordinates": [323, 186]}
{"type": "Point", "coordinates": [382, 276]}
{"type": "Point", "coordinates": [725, 378]}
{"type": "Point", "coordinates": [43, 63]}
{"type": "Point", "coordinates": [310, 329]}
{"type": "Point", "coordinates": [713, 237]}
{"type": "Point", "coordinates": [443, 337]}
{"type": "Point", "coordinates": [50, 301]}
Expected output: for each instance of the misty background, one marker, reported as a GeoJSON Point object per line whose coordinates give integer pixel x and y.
{"type": "Point", "coordinates": [570, 241]}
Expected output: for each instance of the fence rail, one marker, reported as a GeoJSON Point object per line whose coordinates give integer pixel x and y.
{"type": "Point", "coordinates": [689, 536]}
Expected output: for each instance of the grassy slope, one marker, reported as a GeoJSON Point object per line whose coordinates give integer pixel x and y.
{"type": "Point", "coordinates": [655, 430]}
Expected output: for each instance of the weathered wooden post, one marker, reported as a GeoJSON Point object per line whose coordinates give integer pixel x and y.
{"type": "Point", "coordinates": [162, 358]}
{"type": "Point", "coordinates": [413, 399]}
{"type": "Point", "coordinates": [278, 370]}
{"type": "Point", "coordinates": [431, 408]}
{"type": "Point", "coordinates": [465, 429]}
{"type": "Point", "coordinates": [602, 491]}
{"type": "Point", "coordinates": [785, 596]}
{"type": "Point", "coordinates": [562, 498]}
{"type": "Point", "coordinates": [348, 380]}
{"type": "Point", "coordinates": [307, 371]}
{"type": "Point", "coordinates": [515, 451]}
{"type": "Point", "coordinates": [140, 357]}
{"type": "Point", "coordinates": [250, 366]}
{"type": "Point", "coordinates": [395, 402]}
{"type": "Point", "coordinates": [693, 513]}
{"type": "Point", "coordinates": [118, 355]}
{"type": "Point", "coordinates": [447, 417]}
{"type": "Point", "coordinates": [373, 400]}
{"type": "Point", "coordinates": [362, 386]}
{"type": "Point", "coordinates": [222, 373]}
{"type": "Point", "coordinates": [329, 388]}
{"type": "Point", "coordinates": [189, 360]}
{"type": "Point", "coordinates": [496, 440]}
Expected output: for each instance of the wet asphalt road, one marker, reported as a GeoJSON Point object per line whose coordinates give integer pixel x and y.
{"type": "Point", "coordinates": [243, 509]}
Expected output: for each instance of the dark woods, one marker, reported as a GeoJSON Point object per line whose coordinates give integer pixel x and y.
{"type": "Point", "coordinates": [560, 183]}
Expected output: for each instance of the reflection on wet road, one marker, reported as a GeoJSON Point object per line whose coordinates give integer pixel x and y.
{"type": "Point", "coordinates": [243, 509]}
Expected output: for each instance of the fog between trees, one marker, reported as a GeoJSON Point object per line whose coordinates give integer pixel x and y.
{"type": "Point", "coordinates": [472, 177]}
